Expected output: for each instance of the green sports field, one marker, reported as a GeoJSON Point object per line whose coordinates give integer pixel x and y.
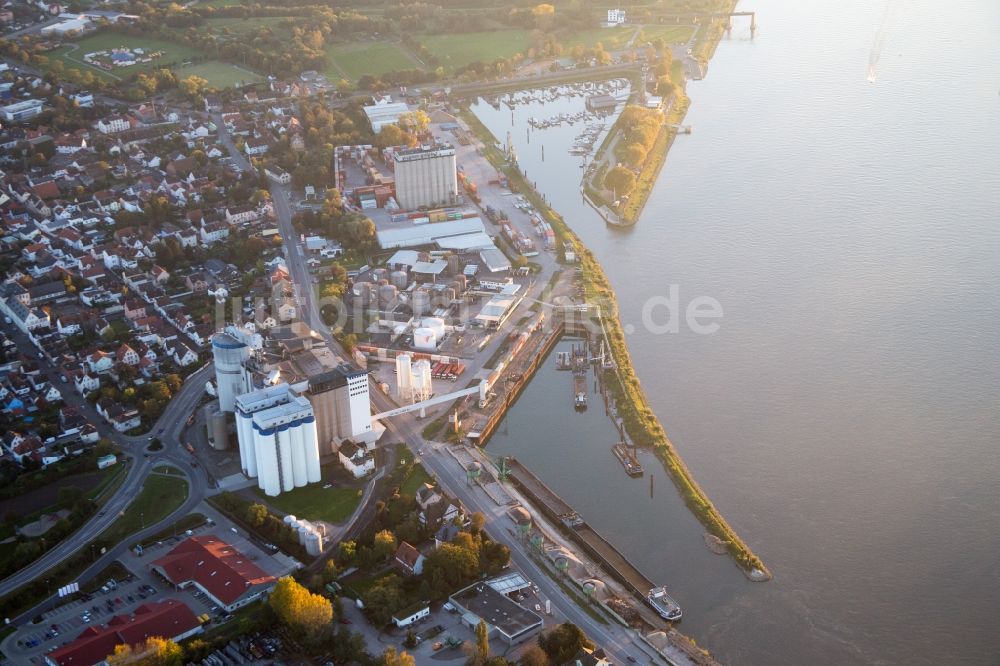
{"type": "Point", "coordinates": [219, 74]}
{"type": "Point", "coordinates": [173, 53]}
{"type": "Point", "coordinates": [352, 61]}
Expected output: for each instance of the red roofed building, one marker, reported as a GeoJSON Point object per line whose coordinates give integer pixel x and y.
{"type": "Point", "coordinates": [167, 619]}
{"type": "Point", "coordinates": [225, 574]}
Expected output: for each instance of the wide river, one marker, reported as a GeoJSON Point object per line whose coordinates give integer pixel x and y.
{"type": "Point", "coordinates": [845, 417]}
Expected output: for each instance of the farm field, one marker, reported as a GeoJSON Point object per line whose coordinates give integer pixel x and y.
{"type": "Point", "coordinates": [354, 60]}
{"type": "Point", "coordinates": [457, 50]}
{"type": "Point", "coordinates": [219, 74]}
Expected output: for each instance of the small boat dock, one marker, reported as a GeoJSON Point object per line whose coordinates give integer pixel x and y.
{"type": "Point", "coordinates": [626, 456]}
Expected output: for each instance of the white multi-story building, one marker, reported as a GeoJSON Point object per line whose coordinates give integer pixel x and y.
{"type": "Point", "coordinates": [113, 124]}
{"type": "Point", "coordinates": [19, 111]}
{"type": "Point", "coordinates": [426, 176]}
{"type": "Point", "coordinates": [276, 428]}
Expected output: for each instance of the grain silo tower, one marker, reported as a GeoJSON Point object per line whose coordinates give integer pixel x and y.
{"type": "Point", "coordinates": [215, 427]}
{"type": "Point", "coordinates": [229, 355]}
{"type": "Point", "coordinates": [404, 377]}
{"type": "Point", "coordinates": [422, 384]}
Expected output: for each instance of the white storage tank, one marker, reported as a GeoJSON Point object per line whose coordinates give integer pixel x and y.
{"type": "Point", "coordinates": [424, 339]}
{"type": "Point", "coordinates": [304, 531]}
{"type": "Point", "coordinates": [403, 377]}
{"type": "Point", "coordinates": [364, 291]}
{"type": "Point", "coordinates": [289, 519]}
{"type": "Point", "coordinates": [421, 302]}
{"type": "Point", "coordinates": [314, 544]}
{"type": "Point", "coordinates": [436, 324]}
{"type": "Point", "coordinates": [386, 295]}
{"type": "Point", "coordinates": [421, 380]}
{"type": "Point", "coordinates": [399, 279]}
{"type": "Point", "coordinates": [380, 274]}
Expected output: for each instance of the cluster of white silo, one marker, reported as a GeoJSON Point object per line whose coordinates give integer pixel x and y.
{"type": "Point", "coordinates": [277, 435]}
{"type": "Point", "coordinates": [310, 535]}
{"type": "Point", "coordinates": [413, 380]}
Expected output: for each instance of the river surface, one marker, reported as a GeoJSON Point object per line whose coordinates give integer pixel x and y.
{"type": "Point", "coordinates": [845, 417]}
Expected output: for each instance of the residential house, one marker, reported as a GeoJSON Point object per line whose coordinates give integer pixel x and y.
{"type": "Point", "coordinates": [85, 382]}
{"type": "Point", "coordinates": [120, 417]}
{"type": "Point", "coordinates": [114, 124]}
{"type": "Point", "coordinates": [254, 146]}
{"type": "Point", "coordinates": [196, 282]}
{"type": "Point", "coordinates": [356, 459]}
{"type": "Point", "coordinates": [409, 560]}
{"type": "Point", "coordinates": [100, 362]}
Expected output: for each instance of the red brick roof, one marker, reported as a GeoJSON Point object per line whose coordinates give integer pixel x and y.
{"type": "Point", "coordinates": [167, 619]}
{"type": "Point", "coordinates": [217, 567]}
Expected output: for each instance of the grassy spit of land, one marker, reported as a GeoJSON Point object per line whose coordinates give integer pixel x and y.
{"type": "Point", "coordinates": [640, 422]}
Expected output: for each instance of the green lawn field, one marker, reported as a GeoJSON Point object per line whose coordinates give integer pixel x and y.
{"type": "Point", "coordinates": [461, 49]}
{"type": "Point", "coordinates": [610, 38]}
{"type": "Point", "coordinates": [352, 61]}
{"type": "Point", "coordinates": [160, 496]}
{"type": "Point", "coordinates": [671, 34]}
{"type": "Point", "coordinates": [314, 502]}
{"type": "Point", "coordinates": [219, 74]}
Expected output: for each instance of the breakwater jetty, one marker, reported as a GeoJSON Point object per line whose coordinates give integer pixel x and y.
{"type": "Point", "coordinates": [593, 544]}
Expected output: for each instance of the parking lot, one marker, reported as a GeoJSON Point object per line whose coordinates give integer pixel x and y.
{"type": "Point", "coordinates": [435, 646]}
{"type": "Point", "coordinates": [64, 623]}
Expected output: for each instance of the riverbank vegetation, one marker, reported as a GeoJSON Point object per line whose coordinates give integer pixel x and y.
{"type": "Point", "coordinates": [640, 421]}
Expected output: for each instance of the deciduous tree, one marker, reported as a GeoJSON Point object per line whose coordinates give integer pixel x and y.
{"type": "Point", "coordinates": [299, 609]}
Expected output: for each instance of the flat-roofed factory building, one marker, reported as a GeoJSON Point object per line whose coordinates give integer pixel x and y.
{"type": "Point", "coordinates": [505, 619]}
